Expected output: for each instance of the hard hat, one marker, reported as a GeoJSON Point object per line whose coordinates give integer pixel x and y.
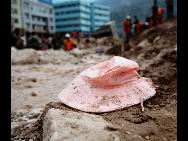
{"type": "Point", "coordinates": [128, 17]}
{"type": "Point", "coordinates": [67, 35]}
{"type": "Point", "coordinates": [146, 23]}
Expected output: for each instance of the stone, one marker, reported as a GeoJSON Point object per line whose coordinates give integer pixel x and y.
{"type": "Point", "coordinates": [61, 125]}
{"type": "Point", "coordinates": [35, 113]}
{"type": "Point", "coordinates": [28, 106]}
{"type": "Point", "coordinates": [147, 137]}
{"type": "Point", "coordinates": [15, 128]}
{"type": "Point", "coordinates": [24, 56]}
{"type": "Point", "coordinates": [34, 93]}
{"type": "Point", "coordinates": [156, 39]}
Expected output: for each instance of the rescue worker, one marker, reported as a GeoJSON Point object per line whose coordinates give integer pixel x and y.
{"type": "Point", "coordinates": [160, 19]}
{"type": "Point", "coordinates": [169, 7]}
{"type": "Point", "coordinates": [154, 13]}
{"type": "Point", "coordinates": [135, 22]}
{"type": "Point", "coordinates": [140, 27]}
{"type": "Point", "coordinates": [68, 43]}
{"type": "Point", "coordinates": [159, 16]}
{"type": "Point", "coordinates": [127, 27]}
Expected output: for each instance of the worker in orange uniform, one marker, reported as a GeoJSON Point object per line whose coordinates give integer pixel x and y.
{"type": "Point", "coordinates": [127, 26]}
{"type": "Point", "coordinates": [141, 26]}
{"type": "Point", "coordinates": [160, 19]}
{"type": "Point", "coordinates": [68, 43]}
{"type": "Point", "coordinates": [160, 16]}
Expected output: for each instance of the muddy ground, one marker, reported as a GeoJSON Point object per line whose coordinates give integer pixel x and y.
{"type": "Point", "coordinates": [157, 58]}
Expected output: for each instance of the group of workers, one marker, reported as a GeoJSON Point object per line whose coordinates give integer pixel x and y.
{"type": "Point", "coordinates": [154, 19]}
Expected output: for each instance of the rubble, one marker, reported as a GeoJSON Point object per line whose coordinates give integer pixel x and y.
{"type": "Point", "coordinates": [157, 59]}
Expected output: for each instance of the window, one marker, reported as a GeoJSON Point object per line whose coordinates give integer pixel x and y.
{"type": "Point", "coordinates": [51, 11]}
{"type": "Point", "coordinates": [14, 10]}
{"type": "Point", "coordinates": [14, 1]}
{"type": "Point", "coordinates": [25, 5]}
{"type": "Point", "coordinates": [15, 20]}
{"type": "Point", "coordinates": [27, 25]}
{"type": "Point", "coordinates": [31, 8]}
{"type": "Point", "coordinates": [26, 16]}
{"type": "Point", "coordinates": [52, 27]}
{"type": "Point", "coordinates": [51, 20]}
{"type": "Point", "coordinates": [44, 10]}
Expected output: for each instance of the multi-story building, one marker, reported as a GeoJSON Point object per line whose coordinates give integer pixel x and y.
{"type": "Point", "coordinates": [80, 15]}
{"type": "Point", "coordinates": [16, 18]}
{"type": "Point", "coordinates": [37, 16]}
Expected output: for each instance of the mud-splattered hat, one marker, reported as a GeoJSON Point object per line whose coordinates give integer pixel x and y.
{"type": "Point", "coordinates": [110, 85]}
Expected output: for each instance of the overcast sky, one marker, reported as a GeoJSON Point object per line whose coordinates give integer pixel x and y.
{"type": "Point", "coordinates": [56, 1]}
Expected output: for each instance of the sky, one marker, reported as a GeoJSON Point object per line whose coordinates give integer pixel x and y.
{"type": "Point", "coordinates": [56, 1]}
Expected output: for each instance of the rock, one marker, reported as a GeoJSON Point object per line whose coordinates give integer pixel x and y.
{"type": "Point", "coordinates": [144, 43]}
{"type": "Point", "coordinates": [147, 137]}
{"type": "Point", "coordinates": [76, 52]}
{"type": "Point", "coordinates": [35, 113]}
{"type": "Point", "coordinates": [15, 128]}
{"type": "Point", "coordinates": [28, 106]}
{"type": "Point", "coordinates": [24, 56]}
{"type": "Point", "coordinates": [34, 93]}
{"type": "Point", "coordinates": [65, 125]}
{"type": "Point", "coordinates": [156, 39]}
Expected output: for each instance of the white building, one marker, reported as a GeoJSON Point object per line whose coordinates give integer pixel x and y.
{"type": "Point", "coordinates": [37, 16]}
{"type": "Point", "coordinates": [16, 18]}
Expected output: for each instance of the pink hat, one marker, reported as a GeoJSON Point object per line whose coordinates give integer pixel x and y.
{"type": "Point", "coordinates": [110, 85]}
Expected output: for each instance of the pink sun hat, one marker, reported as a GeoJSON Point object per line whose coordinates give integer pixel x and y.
{"type": "Point", "coordinates": [108, 86]}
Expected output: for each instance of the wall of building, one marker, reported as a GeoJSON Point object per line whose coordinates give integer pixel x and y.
{"type": "Point", "coordinates": [79, 15]}
{"type": "Point", "coordinates": [38, 17]}
{"type": "Point", "coordinates": [16, 18]}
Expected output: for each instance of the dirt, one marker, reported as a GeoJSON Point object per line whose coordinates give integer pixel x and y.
{"type": "Point", "coordinates": [159, 119]}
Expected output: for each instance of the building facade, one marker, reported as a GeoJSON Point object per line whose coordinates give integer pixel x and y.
{"type": "Point", "coordinates": [37, 17]}
{"type": "Point", "coordinates": [80, 15]}
{"type": "Point", "coordinates": [16, 16]}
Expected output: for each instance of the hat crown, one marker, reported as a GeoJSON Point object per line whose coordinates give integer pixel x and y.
{"type": "Point", "coordinates": [114, 72]}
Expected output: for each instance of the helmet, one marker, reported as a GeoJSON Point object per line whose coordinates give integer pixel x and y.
{"type": "Point", "coordinates": [67, 35]}
{"type": "Point", "coordinates": [128, 17]}
{"type": "Point", "coordinates": [146, 23]}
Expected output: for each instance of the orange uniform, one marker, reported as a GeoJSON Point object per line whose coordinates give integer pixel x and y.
{"type": "Point", "coordinates": [127, 28]}
{"type": "Point", "coordinates": [68, 44]}
{"type": "Point", "coordinates": [159, 17]}
{"type": "Point", "coordinates": [139, 27]}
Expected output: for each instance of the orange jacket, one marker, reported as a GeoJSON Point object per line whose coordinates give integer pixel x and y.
{"type": "Point", "coordinates": [160, 20]}
{"type": "Point", "coordinates": [139, 27]}
{"type": "Point", "coordinates": [127, 29]}
{"type": "Point", "coordinates": [68, 44]}
{"type": "Point", "coordinates": [159, 16]}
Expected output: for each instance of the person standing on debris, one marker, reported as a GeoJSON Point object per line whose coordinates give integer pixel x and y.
{"type": "Point", "coordinates": [135, 22]}
{"type": "Point", "coordinates": [169, 7]}
{"type": "Point", "coordinates": [140, 27]}
{"type": "Point", "coordinates": [68, 43]}
{"type": "Point", "coordinates": [154, 13]}
{"type": "Point", "coordinates": [160, 16]}
{"type": "Point", "coordinates": [127, 27]}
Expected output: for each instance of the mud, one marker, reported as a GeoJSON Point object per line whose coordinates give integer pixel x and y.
{"type": "Point", "coordinates": [158, 121]}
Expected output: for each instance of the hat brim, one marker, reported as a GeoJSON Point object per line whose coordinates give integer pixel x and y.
{"type": "Point", "coordinates": [84, 96]}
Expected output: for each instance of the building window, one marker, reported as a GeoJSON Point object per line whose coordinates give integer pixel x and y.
{"type": "Point", "coordinates": [31, 8]}
{"type": "Point", "coordinates": [15, 20]}
{"type": "Point", "coordinates": [25, 5]}
{"type": "Point", "coordinates": [14, 1]}
{"type": "Point", "coordinates": [51, 20]}
{"type": "Point", "coordinates": [27, 25]}
{"type": "Point", "coordinates": [51, 11]}
{"type": "Point", "coordinates": [14, 10]}
{"type": "Point", "coordinates": [52, 27]}
{"type": "Point", "coordinates": [26, 16]}
{"type": "Point", "coordinates": [44, 10]}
